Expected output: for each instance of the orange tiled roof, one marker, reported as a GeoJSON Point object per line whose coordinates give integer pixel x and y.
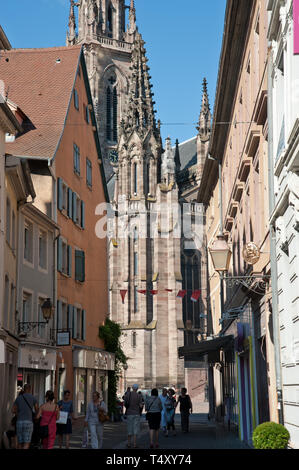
{"type": "Point", "coordinates": [40, 82]}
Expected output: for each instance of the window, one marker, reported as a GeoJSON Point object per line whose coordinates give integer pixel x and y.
{"type": "Point", "coordinates": [76, 99]}
{"type": "Point", "coordinates": [64, 255]}
{"type": "Point", "coordinates": [26, 307]}
{"type": "Point", "coordinates": [62, 196]}
{"type": "Point", "coordinates": [79, 323]}
{"type": "Point", "coordinates": [76, 159]}
{"type": "Point", "coordinates": [88, 173]}
{"type": "Point", "coordinates": [80, 265]}
{"type": "Point", "coordinates": [87, 114]}
{"type": "Point", "coordinates": [8, 220]}
{"type": "Point", "coordinates": [13, 231]}
{"type": "Point", "coordinates": [78, 214]}
{"type": "Point", "coordinates": [62, 315]}
{"type": "Point", "coordinates": [134, 339]}
{"type": "Point", "coordinates": [12, 306]}
{"type": "Point", "coordinates": [28, 242]}
{"type": "Point", "coordinates": [135, 177]}
{"type": "Point", "coordinates": [111, 110]}
{"type": "Point", "coordinates": [42, 248]}
{"type": "Point", "coordinates": [135, 264]}
{"type": "Point", "coordinates": [110, 21]}
{"type": "Point", "coordinates": [41, 328]}
{"type": "Point", "coordinates": [6, 301]}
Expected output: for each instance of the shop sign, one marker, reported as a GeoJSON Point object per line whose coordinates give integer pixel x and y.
{"type": "Point", "coordinates": [101, 360]}
{"type": "Point", "coordinates": [33, 358]}
{"type": "Point", "coordinates": [63, 338]}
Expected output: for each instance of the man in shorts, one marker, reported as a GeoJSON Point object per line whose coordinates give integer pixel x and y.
{"type": "Point", "coordinates": [133, 404]}
{"type": "Point", "coordinates": [23, 407]}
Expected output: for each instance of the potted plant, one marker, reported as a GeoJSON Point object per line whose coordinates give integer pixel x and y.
{"type": "Point", "coordinates": [270, 435]}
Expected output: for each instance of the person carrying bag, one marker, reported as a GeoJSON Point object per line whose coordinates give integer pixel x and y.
{"type": "Point", "coordinates": [49, 413]}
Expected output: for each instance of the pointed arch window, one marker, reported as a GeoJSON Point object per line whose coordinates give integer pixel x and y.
{"type": "Point", "coordinates": [147, 185]}
{"type": "Point", "coordinates": [135, 174]}
{"type": "Point", "coordinates": [111, 110]}
{"type": "Point", "coordinates": [110, 21]}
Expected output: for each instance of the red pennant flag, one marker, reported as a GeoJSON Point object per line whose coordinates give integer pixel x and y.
{"type": "Point", "coordinates": [182, 293]}
{"type": "Point", "coordinates": [154, 292]}
{"type": "Point", "coordinates": [142, 291]}
{"type": "Point", "coordinates": [168, 290]}
{"type": "Point", "coordinates": [195, 295]}
{"type": "Point", "coordinates": [123, 295]}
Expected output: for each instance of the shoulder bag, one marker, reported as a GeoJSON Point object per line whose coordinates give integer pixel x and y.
{"type": "Point", "coordinates": [103, 417]}
{"type": "Point", "coordinates": [33, 413]}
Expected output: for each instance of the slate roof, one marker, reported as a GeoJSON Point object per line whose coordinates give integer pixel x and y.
{"type": "Point", "coordinates": [40, 81]}
{"type": "Point", "coordinates": [188, 153]}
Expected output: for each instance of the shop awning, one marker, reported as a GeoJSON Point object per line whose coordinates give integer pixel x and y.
{"type": "Point", "coordinates": [207, 347]}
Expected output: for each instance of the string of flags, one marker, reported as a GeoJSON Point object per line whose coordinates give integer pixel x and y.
{"type": "Point", "coordinates": [181, 293]}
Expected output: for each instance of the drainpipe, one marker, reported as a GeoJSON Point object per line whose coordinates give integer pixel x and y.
{"type": "Point", "coordinates": [273, 257]}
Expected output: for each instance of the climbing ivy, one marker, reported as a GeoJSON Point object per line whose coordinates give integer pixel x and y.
{"type": "Point", "coordinates": [110, 333]}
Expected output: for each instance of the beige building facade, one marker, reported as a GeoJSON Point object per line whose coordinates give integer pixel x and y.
{"type": "Point", "coordinates": [236, 197]}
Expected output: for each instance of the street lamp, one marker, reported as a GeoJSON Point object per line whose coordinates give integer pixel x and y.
{"type": "Point", "coordinates": [220, 254]}
{"type": "Point", "coordinates": [47, 311]}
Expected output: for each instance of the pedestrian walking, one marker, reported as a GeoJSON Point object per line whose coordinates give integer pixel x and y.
{"type": "Point", "coordinates": [95, 426]}
{"type": "Point", "coordinates": [24, 408]}
{"type": "Point", "coordinates": [153, 407]}
{"type": "Point", "coordinates": [65, 405]}
{"type": "Point", "coordinates": [49, 414]}
{"type": "Point", "coordinates": [163, 398]}
{"type": "Point", "coordinates": [133, 404]}
{"type": "Point", "coordinates": [170, 405]}
{"type": "Point", "coordinates": [185, 409]}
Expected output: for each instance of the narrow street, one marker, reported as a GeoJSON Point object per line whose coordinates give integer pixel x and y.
{"type": "Point", "coordinates": [203, 435]}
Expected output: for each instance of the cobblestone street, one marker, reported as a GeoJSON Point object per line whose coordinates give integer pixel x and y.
{"type": "Point", "coordinates": [203, 435]}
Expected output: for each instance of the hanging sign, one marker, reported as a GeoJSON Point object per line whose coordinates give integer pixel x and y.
{"type": "Point", "coordinates": [296, 25]}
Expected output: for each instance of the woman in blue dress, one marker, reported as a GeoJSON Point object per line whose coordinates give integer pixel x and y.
{"type": "Point", "coordinates": [163, 398]}
{"type": "Point", "coordinates": [65, 429]}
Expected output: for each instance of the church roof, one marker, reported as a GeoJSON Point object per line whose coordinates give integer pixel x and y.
{"type": "Point", "coordinates": [41, 82]}
{"type": "Point", "coordinates": [188, 153]}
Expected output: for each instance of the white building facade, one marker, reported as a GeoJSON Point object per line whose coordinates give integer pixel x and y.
{"type": "Point", "coordinates": [284, 198]}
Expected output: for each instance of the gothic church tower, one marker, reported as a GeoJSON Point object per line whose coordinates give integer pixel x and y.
{"type": "Point", "coordinates": [144, 252]}
{"type": "Point", "coordinates": [107, 42]}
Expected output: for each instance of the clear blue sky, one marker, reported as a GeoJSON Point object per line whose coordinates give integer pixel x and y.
{"type": "Point", "coordinates": [183, 42]}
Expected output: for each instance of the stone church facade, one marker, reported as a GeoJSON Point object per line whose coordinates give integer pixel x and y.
{"type": "Point", "coordinates": [156, 231]}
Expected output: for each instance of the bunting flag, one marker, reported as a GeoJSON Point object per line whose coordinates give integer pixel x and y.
{"type": "Point", "coordinates": [142, 291]}
{"type": "Point", "coordinates": [154, 292]}
{"type": "Point", "coordinates": [182, 293]}
{"type": "Point", "coordinates": [195, 295]}
{"type": "Point", "coordinates": [123, 295]}
{"type": "Point", "coordinates": [168, 290]}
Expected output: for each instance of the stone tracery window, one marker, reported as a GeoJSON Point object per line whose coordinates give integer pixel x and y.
{"type": "Point", "coordinates": [111, 109]}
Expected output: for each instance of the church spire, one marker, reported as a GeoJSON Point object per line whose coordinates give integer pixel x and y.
{"type": "Point", "coordinates": [205, 117]}
{"type": "Point", "coordinates": [140, 114]}
{"type": "Point", "coordinates": [132, 18]}
{"type": "Point", "coordinates": [71, 34]}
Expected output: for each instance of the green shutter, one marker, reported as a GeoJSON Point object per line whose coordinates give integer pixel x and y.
{"type": "Point", "coordinates": [83, 325]}
{"type": "Point", "coordinates": [74, 322]}
{"type": "Point", "coordinates": [59, 194]}
{"type": "Point", "coordinates": [79, 265]}
{"type": "Point", "coordinates": [82, 214]}
{"type": "Point", "coordinates": [69, 202]}
{"type": "Point", "coordinates": [69, 261]}
{"type": "Point", "coordinates": [74, 207]}
{"type": "Point", "coordinates": [70, 318]}
{"type": "Point", "coordinates": [59, 254]}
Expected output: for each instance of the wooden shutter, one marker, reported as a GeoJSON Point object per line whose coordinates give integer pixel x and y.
{"type": "Point", "coordinates": [69, 260]}
{"type": "Point", "coordinates": [59, 254]}
{"type": "Point", "coordinates": [60, 194]}
{"type": "Point", "coordinates": [82, 214]}
{"type": "Point", "coordinates": [70, 318]}
{"type": "Point", "coordinates": [74, 322]}
{"type": "Point", "coordinates": [83, 325]}
{"type": "Point", "coordinates": [69, 202]}
{"type": "Point", "coordinates": [74, 207]}
{"type": "Point", "coordinates": [80, 265]}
